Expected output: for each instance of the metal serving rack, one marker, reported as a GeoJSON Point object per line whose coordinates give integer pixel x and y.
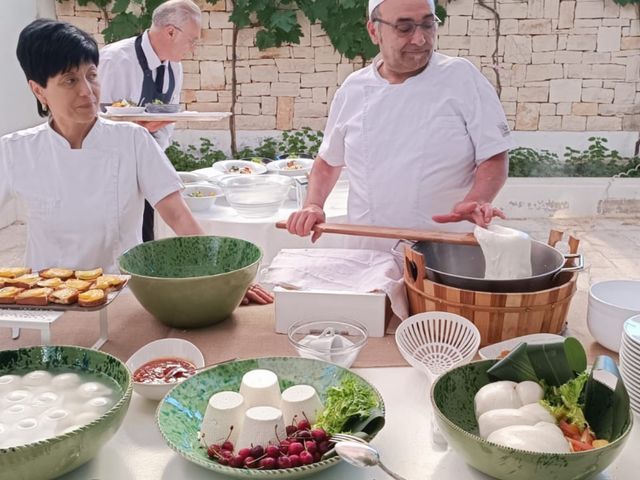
{"type": "Point", "coordinates": [40, 319]}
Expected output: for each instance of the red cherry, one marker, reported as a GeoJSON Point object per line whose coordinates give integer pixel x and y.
{"type": "Point", "coordinates": [318, 434]}
{"type": "Point", "coordinates": [250, 462]}
{"type": "Point", "coordinates": [295, 460]}
{"type": "Point", "coordinates": [295, 448]}
{"type": "Point", "coordinates": [268, 463]}
{"type": "Point", "coordinates": [244, 452]}
{"type": "Point", "coordinates": [284, 462]}
{"type": "Point", "coordinates": [227, 446]}
{"type": "Point", "coordinates": [273, 451]}
{"type": "Point", "coordinates": [306, 458]}
{"type": "Point", "coordinates": [310, 446]}
{"type": "Point", "coordinates": [304, 425]}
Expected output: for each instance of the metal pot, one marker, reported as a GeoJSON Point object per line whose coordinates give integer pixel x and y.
{"type": "Point", "coordinates": [463, 266]}
{"type": "Point", "coordinates": [456, 259]}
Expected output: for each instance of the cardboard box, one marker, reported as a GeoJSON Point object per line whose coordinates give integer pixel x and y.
{"type": "Point", "coordinates": [373, 310]}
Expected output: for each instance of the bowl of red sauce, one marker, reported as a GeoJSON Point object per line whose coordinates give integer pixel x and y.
{"type": "Point", "coordinates": [160, 365]}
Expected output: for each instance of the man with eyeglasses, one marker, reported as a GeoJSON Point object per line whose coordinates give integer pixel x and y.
{"type": "Point", "coordinates": [423, 136]}
{"type": "Point", "coordinates": [147, 68]}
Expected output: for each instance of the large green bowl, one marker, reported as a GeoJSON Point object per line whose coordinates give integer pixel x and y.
{"type": "Point", "coordinates": [180, 413]}
{"type": "Point", "coordinates": [189, 282]}
{"type": "Point", "coordinates": [452, 396]}
{"type": "Point", "coordinates": [55, 456]}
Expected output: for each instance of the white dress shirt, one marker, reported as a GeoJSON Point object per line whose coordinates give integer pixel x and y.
{"type": "Point", "coordinates": [411, 149]}
{"type": "Point", "coordinates": [84, 206]}
{"type": "Point", "coordinates": [121, 76]}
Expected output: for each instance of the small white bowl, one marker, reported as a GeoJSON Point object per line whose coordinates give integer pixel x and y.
{"type": "Point", "coordinates": [124, 110]}
{"type": "Point", "coordinates": [200, 198]}
{"type": "Point", "coordinates": [283, 167]}
{"type": "Point", "coordinates": [163, 348]}
{"type": "Point", "coordinates": [495, 349]}
{"type": "Point", "coordinates": [611, 303]}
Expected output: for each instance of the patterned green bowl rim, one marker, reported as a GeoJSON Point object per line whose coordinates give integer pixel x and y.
{"type": "Point", "coordinates": [126, 395]}
{"type": "Point", "coordinates": [509, 450]}
{"type": "Point", "coordinates": [256, 472]}
{"type": "Point", "coordinates": [125, 271]}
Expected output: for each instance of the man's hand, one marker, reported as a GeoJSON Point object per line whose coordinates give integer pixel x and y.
{"type": "Point", "coordinates": [302, 222]}
{"type": "Point", "coordinates": [479, 213]}
{"type": "Point", "coordinates": [257, 294]}
{"type": "Point", "coordinates": [153, 127]}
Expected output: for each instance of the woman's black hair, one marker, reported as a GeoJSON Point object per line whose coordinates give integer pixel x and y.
{"type": "Point", "coordinates": [48, 47]}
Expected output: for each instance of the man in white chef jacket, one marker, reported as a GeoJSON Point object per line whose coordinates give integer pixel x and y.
{"type": "Point", "coordinates": [423, 136]}
{"type": "Point", "coordinates": [147, 68]}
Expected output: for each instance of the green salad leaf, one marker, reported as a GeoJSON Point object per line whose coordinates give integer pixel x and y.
{"type": "Point", "coordinates": [567, 401]}
{"type": "Point", "coordinates": [351, 399]}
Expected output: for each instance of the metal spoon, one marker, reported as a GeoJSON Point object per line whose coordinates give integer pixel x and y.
{"type": "Point", "coordinates": [362, 455]}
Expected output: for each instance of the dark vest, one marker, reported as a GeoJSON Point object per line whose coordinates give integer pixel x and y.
{"type": "Point", "coordinates": [151, 91]}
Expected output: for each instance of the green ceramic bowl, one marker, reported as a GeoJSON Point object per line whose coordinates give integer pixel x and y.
{"type": "Point", "coordinates": [189, 282]}
{"type": "Point", "coordinates": [452, 396]}
{"type": "Point", "coordinates": [55, 456]}
{"type": "Point", "coordinates": [180, 413]}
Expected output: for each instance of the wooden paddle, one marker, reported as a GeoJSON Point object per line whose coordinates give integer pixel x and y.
{"type": "Point", "coordinates": [391, 232]}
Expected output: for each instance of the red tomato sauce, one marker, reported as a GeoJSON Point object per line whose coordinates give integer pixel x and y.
{"type": "Point", "coordinates": [156, 371]}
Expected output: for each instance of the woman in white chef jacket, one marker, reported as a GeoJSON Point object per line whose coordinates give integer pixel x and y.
{"type": "Point", "coordinates": [83, 179]}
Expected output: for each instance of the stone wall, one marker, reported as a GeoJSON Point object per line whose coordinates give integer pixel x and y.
{"type": "Point", "coordinates": [564, 65]}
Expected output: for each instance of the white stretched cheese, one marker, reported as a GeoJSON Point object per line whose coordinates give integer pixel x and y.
{"type": "Point", "coordinates": [542, 437]}
{"type": "Point", "coordinates": [496, 395]}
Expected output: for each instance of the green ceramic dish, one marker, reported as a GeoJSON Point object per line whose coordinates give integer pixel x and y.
{"type": "Point", "coordinates": [180, 413]}
{"type": "Point", "coordinates": [452, 396]}
{"type": "Point", "coordinates": [189, 282]}
{"type": "Point", "coordinates": [55, 456]}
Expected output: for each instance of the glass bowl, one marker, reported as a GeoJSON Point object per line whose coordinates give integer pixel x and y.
{"type": "Point", "coordinates": [331, 341]}
{"type": "Point", "coordinates": [256, 196]}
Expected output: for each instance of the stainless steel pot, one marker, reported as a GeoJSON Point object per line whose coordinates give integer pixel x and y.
{"type": "Point", "coordinates": [463, 266]}
{"type": "Point", "coordinates": [456, 259]}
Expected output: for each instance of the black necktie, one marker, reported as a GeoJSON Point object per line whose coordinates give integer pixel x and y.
{"type": "Point", "coordinates": [160, 78]}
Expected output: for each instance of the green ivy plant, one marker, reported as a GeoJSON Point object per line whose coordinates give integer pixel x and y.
{"type": "Point", "coordinates": [597, 160]}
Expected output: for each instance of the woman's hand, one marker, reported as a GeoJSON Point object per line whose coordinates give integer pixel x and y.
{"type": "Point", "coordinates": [256, 294]}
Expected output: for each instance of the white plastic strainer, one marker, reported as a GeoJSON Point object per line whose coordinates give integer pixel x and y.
{"type": "Point", "coordinates": [435, 342]}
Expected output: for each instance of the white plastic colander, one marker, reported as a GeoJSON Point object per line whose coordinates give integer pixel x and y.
{"type": "Point", "coordinates": [435, 342]}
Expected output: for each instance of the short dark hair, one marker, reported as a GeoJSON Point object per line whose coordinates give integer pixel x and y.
{"type": "Point", "coordinates": [48, 47]}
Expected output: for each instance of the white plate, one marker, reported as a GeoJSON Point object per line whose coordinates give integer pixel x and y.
{"type": "Point", "coordinates": [226, 165]}
{"type": "Point", "coordinates": [280, 166]}
{"type": "Point", "coordinates": [123, 110]}
{"type": "Point", "coordinates": [210, 174]}
{"type": "Point", "coordinates": [493, 351]}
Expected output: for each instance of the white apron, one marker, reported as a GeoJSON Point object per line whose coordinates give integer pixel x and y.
{"type": "Point", "coordinates": [73, 211]}
{"type": "Point", "coordinates": [418, 163]}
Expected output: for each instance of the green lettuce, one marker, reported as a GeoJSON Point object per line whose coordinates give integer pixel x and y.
{"type": "Point", "coordinates": [566, 401]}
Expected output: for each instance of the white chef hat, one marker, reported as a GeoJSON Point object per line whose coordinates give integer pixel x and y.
{"type": "Point", "coordinates": [374, 3]}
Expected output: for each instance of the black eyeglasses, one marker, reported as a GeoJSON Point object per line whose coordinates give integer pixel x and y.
{"type": "Point", "coordinates": [406, 28]}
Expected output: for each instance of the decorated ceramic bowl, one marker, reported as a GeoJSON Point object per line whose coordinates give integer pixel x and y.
{"type": "Point", "coordinates": [54, 456]}
{"type": "Point", "coordinates": [189, 282]}
{"type": "Point", "coordinates": [180, 413]}
{"type": "Point", "coordinates": [452, 396]}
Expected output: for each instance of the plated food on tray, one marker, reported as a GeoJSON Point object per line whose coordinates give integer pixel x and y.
{"type": "Point", "coordinates": [123, 107]}
{"type": "Point", "coordinates": [19, 286]}
{"type": "Point", "coordinates": [239, 167]}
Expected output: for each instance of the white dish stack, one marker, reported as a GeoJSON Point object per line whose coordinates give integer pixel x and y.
{"type": "Point", "coordinates": [630, 360]}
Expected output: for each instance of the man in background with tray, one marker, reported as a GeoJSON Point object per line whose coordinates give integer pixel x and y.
{"type": "Point", "coordinates": [147, 68]}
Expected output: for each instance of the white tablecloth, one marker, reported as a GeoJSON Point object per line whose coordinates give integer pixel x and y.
{"type": "Point", "coordinates": [223, 220]}
{"type": "Point", "coordinates": [137, 451]}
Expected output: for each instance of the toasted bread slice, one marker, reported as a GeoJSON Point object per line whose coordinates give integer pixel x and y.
{"type": "Point", "coordinates": [108, 283]}
{"type": "Point", "coordinates": [29, 280]}
{"type": "Point", "coordinates": [64, 296]}
{"type": "Point", "coordinates": [50, 283]}
{"type": "Point", "coordinates": [92, 298]}
{"type": "Point", "coordinates": [35, 296]}
{"type": "Point", "coordinates": [1, 282]}
{"type": "Point", "coordinates": [8, 294]}
{"type": "Point", "coordinates": [80, 285]}
{"type": "Point", "coordinates": [88, 274]}
{"type": "Point", "coordinates": [13, 272]}
{"type": "Point", "coordinates": [62, 273]}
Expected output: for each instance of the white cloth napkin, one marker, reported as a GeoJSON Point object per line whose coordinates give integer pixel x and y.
{"type": "Point", "coordinates": [507, 252]}
{"type": "Point", "coordinates": [336, 269]}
